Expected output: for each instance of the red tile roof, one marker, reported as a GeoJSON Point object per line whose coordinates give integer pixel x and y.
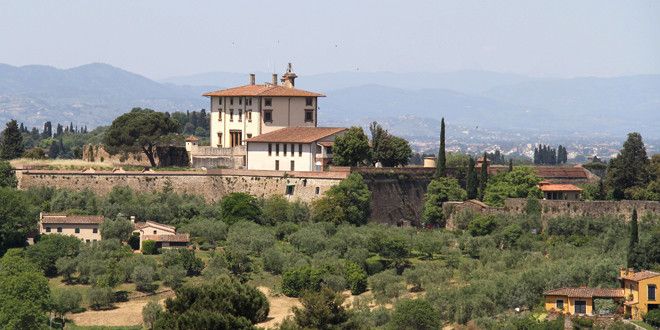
{"type": "Point", "coordinates": [586, 292]}
{"type": "Point", "coordinates": [71, 219]}
{"type": "Point", "coordinates": [641, 275]}
{"type": "Point", "coordinates": [263, 90]}
{"type": "Point", "coordinates": [175, 238]}
{"type": "Point", "coordinates": [297, 134]}
{"type": "Point", "coordinates": [559, 187]}
{"type": "Point", "coordinates": [140, 225]}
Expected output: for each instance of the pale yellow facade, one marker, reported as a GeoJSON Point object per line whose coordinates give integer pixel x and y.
{"type": "Point", "coordinates": [85, 228]}
{"type": "Point", "coordinates": [568, 304]}
{"type": "Point", "coordinates": [641, 296]}
{"type": "Point", "coordinates": [244, 116]}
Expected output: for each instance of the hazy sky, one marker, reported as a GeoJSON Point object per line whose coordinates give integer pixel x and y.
{"type": "Point", "coordinates": [166, 38]}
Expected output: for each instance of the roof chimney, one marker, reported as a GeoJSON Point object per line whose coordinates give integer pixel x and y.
{"type": "Point", "coordinates": [274, 82]}
{"type": "Point", "coordinates": [252, 78]}
{"type": "Point", "coordinates": [132, 218]}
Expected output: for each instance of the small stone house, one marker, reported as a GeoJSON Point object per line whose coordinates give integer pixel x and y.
{"type": "Point", "coordinates": [84, 227]}
{"type": "Point", "coordinates": [165, 236]}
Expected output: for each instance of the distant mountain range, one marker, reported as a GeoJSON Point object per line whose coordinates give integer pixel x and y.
{"type": "Point", "coordinates": [94, 94]}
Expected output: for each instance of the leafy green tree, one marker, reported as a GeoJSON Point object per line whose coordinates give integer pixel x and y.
{"type": "Point", "coordinates": [100, 297]}
{"type": "Point", "coordinates": [17, 218]}
{"type": "Point", "coordinates": [66, 266]}
{"type": "Point", "coordinates": [522, 182]}
{"type": "Point", "coordinates": [143, 277]}
{"type": "Point", "coordinates": [441, 166]}
{"type": "Point", "coordinates": [440, 190]}
{"type": "Point", "coordinates": [240, 206]}
{"type": "Point", "coordinates": [298, 280]}
{"type": "Point", "coordinates": [11, 143]}
{"type": "Point", "coordinates": [386, 286]}
{"type": "Point", "coordinates": [275, 210]}
{"type": "Point", "coordinates": [356, 278]}
{"type": "Point", "coordinates": [416, 314]}
{"type": "Point", "coordinates": [141, 129]}
{"type": "Point", "coordinates": [630, 168]}
{"type": "Point", "coordinates": [7, 175]}
{"type": "Point", "coordinates": [150, 313]}
{"type": "Point", "coordinates": [50, 248]}
{"type": "Point", "coordinates": [66, 301]}
{"type": "Point", "coordinates": [472, 181]}
{"type": "Point", "coordinates": [347, 202]}
{"type": "Point", "coordinates": [120, 228]}
{"type": "Point", "coordinates": [24, 294]}
{"type": "Point", "coordinates": [184, 258]}
{"type": "Point", "coordinates": [388, 149]}
{"type": "Point", "coordinates": [321, 310]}
{"type": "Point", "coordinates": [173, 276]}
{"type": "Point", "coordinates": [351, 148]}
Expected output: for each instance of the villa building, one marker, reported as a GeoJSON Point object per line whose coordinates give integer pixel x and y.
{"type": "Point", "coordinates": [638, 293]}
{"type": "Point", "coordinates": [244, 112]}
{"type": "Point", "coordinates": [165, 236]}
{"type": "Point", "coordinates": [84, 227]}
{"type": "Point", "coordinates": [553, 191]}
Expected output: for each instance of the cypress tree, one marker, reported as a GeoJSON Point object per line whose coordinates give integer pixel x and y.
{"type": "Point", "coordinates": [483, 181]}
{"type": "Point", "coordinates": [12, 141]}
{"type": "Point", "coordinates": [471, 180]}
{"type": "Point", "coordinates": [511, 165]}
{"type": "Point", "coordinates": [441, 168]}
{"type": "Point", "coordinates": [634, 240]}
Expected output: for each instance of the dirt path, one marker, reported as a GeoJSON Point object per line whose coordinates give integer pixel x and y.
{"type": "Point", "coordinates": [126, 314]}
{"type": "Point", "coordinates": [280, 308]}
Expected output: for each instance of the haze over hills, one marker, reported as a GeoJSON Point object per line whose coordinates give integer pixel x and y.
{"type": "Point", "coordinates": [94, 94]}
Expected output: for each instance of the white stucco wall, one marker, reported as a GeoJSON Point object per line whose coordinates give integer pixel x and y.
{"type": "Point", "coordinates": [258, 158]}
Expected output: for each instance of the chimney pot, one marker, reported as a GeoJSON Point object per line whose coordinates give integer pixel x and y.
{"type": "Point", "coordinates": [274, 78]}
{"type": "Point", "coordinates": [132, 218]}
{"type": "Point", "coordinates": [252, 78]}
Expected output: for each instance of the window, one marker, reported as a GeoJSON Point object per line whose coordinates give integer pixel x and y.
{"type": "Point", "coordinates": [59, 229]}
{"type": "Point", "coordinates": [277, 165]}
{"type": "Point", "coordinates": [309, 101]}
{"type": "Point", "coordinates": [277, 149]}
{"type": "Point", "coordinates": [651, 292]}
{"type": "Point", "coordinates": [220, 101]}
{"type": "Point", "coordinates": [309, 116]}
{"type": "Point", "coordinates": [95, 230]}
{"type": "Point", "coordinates": [289, 189]}
{"type": "Point", "coordinates": [77, 230]}
{"type": "Point", "coordinates": [270, 149]}
{"type": "Point", "coordinates": [268, 102]}
{"type": "Point", "coordinates": [580, 307]}
{"type": "Point", "coordinates": [249, 135]}
{"type": "Point", "coordinates": [285, 145]}
{"type": "Point", "coordinates": [240, 115]}
{"type": "Point", "coordinates": [300, 150]}
{"type": "Point", "coordinates": [48, 229]}
{"type": "Point", "coordinates": [248, 101]}
{"type": "Point", "coordinates": [231, 101]}
{"type": "Point", "coordinates": [154, 232]}
{"type": "Point", "coordinates": [293, 165]}
{"type": "Point", "coordinates": [248, 116]}
{"type": "Point", "coordinates": [560, 304]}
{"type": "Point", "coordinates": [231, 115]}
{"type": "Point", "coordinates": [293, 149]}
{"type": "Point", "coordinates": [328, 150]}
{"type": "Point", "coordinates": [268, 116]}
{"type": "Point", "coordinates": [318, 190]}
{"type": "Point", "coordinates": [219, 140]}
{"type": "Point", "coordinates": [240, 100]}
{"type": "Point", "coordinates": [86, 241]}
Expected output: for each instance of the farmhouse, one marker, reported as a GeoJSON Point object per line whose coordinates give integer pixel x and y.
{"type": "Point", "coordinates": [637, 292]}
{"type": "Point", "coordinates": [84, 227]}
{"type": "Point", "coordinates": [165, 236]}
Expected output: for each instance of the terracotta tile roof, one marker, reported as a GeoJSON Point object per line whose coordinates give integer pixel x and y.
{"type": "Point", "coordinates": [641, 275]}
{"type": "Point", "coordinates": [192, 138]}
{"type": "Point", "coordinates": [586, 292]}
{"type": "Point", "coordinates": [263, 90]}
{"type": "Point", "coordinates": [297, 134]}
{"type": "Point", "coordinates": [559, 187]}
{"type": "Point", "coordinates": [327, 143]}
{"type": "Point", "coordinates": [56, 218]}
{"type": "Point", "coordinates": [174, 238]}
{"type": "Point", "coordinates": [140, 225]}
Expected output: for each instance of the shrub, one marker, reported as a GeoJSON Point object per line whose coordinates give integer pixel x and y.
{"type": "Point", "coordinates": [653, 317]}
{"type": "Point", "coordinates": [65, 301]}
{"type": "Point", "coordinates": [240, 206]}
{"type": "Point", "coordinates": [417, 314]}
{"type": "Point", "coordinates": [321, 310]}
{"type": "Point", "coordinates": [173, 276]}
{"type": "Point", "coordinates": [184, 258]}
{"type": "Point", "coordinates": [295, 281]}
{"type": "Point", "coordinates": [274, 261]}
{"type": "Point", "coordinates": [583, 322]}
{"type": "Point", "coordinates": [386, 286]}
{"type": "Point", "coordinates": [284, 229]}
{"type": "Point", "coordinates": [143, 277]}
{"type": "Point", "coordinates": [134, 241]}
{"type": "Point", "coordinates": [150, 313]}
{"type": "Point", "coordinates": [374, 265]}
{"type": "Point", "coordinates": [100, 298]}
{"type": "Point", "coordinates": [347, 202]}
{"type": "Point", "coordinates": [482, 225]}
{"type": "Point", "coordinates": [149, 247]}
{"type": "Point", "coordinates": [356, 278]}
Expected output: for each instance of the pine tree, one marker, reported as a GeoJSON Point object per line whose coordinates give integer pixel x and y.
{"type": "Point", "coordinates": [472, 192]}
{"type": "Point", "coordinates": [483, 180]}
{"type": "Point", "coordinates": [441, 168]}
{"type": "Point", "coordinates": [634, 240]}
{"type": "Point", "coordinates": [12, 141]}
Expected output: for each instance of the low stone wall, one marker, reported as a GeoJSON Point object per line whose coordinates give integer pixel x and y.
{"type": "Point", "coordinates": [212, 185]}
{"type": "Point", "coordinates": [555, 208]}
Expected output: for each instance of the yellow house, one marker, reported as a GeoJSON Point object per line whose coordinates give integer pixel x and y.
{"type": "Point", "coordinates": [578, 300]}
{"type": "Point", "coordinates": [640, 291]}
